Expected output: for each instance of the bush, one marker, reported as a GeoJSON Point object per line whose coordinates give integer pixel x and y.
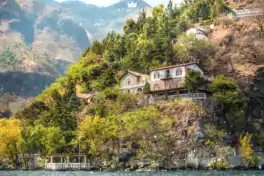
{"type": "Point", "coordinates": [218, 164]}
{"type": "Point", "coordinates": [254, 161]}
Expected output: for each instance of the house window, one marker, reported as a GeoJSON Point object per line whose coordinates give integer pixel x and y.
{"type": "Point", "coordinates": [156, 75]}
{"type": "Point", "coordinates": [167, 73]}
{"type": "Point", "coordinates": [129, 82]}
{"type": "Point", "coordinates": [178, 72]}
{"type": "Point", "coordinates": [156, 87]}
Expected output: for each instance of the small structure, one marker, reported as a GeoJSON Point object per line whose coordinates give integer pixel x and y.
{"type": "Point", "coordinates": [245, 13]}
{"type": "Point", "coordinates": [88, 97]}
{"type": "Point", "coordinates": [169, 80]}
{"type": "Point", "coordinates": [133, 81]}
{"type": "Point", "coordinates": [199, 33]}
{"type": "Point", "coordinates": [62, 162]}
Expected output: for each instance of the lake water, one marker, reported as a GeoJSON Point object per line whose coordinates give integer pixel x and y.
{"type": "Point", "coordinates": [180, 173]}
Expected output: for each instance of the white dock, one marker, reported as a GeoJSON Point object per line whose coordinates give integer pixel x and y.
{"type": "Point", "coordinates": [67, 166]}
{"type": "Point", "coordinates": [61, 162]}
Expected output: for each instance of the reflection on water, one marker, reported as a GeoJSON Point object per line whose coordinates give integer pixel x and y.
{"type": "Point", "coordinates": [180, 173]}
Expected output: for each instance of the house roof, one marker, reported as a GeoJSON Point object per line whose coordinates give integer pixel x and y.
{"type": "Point", "coordinates": [85, 96]}
{"type": "Point", "coordinates": [173, 66]}
{"type": "Point", "coordinates": [135, 74]}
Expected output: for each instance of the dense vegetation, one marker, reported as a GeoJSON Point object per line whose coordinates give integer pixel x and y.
{"type": "Point", "coordinates": [114, 122]}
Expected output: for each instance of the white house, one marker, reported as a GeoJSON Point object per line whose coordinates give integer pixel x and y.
{"type": "Point", "coordinates": [133, 81]}
{"type": "Point", "coordinates": [199, 33]}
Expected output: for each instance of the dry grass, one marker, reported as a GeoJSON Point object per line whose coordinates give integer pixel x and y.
{"type": "Point", "coordinates": [239, 50]}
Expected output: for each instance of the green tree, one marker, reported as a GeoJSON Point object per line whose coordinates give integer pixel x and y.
{"type": "Point", "coordinates": [193, 80]}
{"type": "Point", "coordinates": [227, 98]}
{"type": "Point", "coordinates": [146, 126]}
{"type": "Point", "coordinates": [146, 89]}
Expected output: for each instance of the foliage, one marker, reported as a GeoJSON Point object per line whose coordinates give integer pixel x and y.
{"type": "Point", "coordinates": [226, 96]}
{"type": "Point", "coordinates": [246, 147]}
{"type": "Point", "coordinates": [146, 89]}
{"type": "Point", "coordinates": [188, 49]}
{"type": "Point", "coordinates": [146, 126]}
{"type": "Point", "coordinates": [193, 80]}
{"type": "Point", "coordinates": [10, 135]}
{"type": "Point", "coordinates": [126, 101]}
{"type": "Point", "coordinates": [213, 132]}
{"type": "Point", "coordinates": [96, 133]}
{"type": "Point", "coordinates": [218, 164]}
{"type": "Point", "coordinates": [8, 58]}
{"type": "Point", "coordinates": [254, 161]}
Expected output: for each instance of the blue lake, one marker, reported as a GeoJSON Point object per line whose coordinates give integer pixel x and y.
{"type": "Point", "coordinates": [180, 173]}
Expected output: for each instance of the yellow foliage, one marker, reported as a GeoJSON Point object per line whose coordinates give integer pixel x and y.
{"type": "Point", "coordinates": [10, 135]}
{"type": "Point", "coordinates": [246, 149]}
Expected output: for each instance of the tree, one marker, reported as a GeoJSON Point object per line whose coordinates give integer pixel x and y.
{"type": "Point", "coordinates": [146, 89]}
{"type": "Point", "coordinates": [145, 127]}
{"type": "Point", "coordinates": [188, 48]}
{"type": "Point", "coordinates": [53, 140]}
{"type": "Point", "coordinates": [10, 135]}
{"type": "Point", "coordinates": [246, 149]}
{"type": "Point", "coordinates": [193, 80]}
{"type": "Point", "coordinates": [96, 134]}
{"type": "Point", "coordinates": [226, 97]}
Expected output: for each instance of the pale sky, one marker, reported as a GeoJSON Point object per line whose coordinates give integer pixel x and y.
{"type": "Point", "coordinates": [109, 2]}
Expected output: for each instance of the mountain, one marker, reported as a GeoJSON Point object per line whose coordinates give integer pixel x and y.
{"type": "Point", "coordinates": [43, 37]}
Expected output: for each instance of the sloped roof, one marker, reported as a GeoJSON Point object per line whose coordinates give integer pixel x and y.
{"type": "Point", "coordinates": [135, 74]}
{"type": "Point", "coordinates": [173, 66]}
{"type": "Point", "coordinates": [85, 96]}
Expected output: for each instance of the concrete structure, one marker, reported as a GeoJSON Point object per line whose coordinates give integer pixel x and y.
{"type": "Point", "coordinates": [61, 162]}
{"type": "Point", "coordinates": [133, 81]}
{"type": "Point", "coordinates": [199, 33]}
{"type": "Point", "coordinates": [246, 13]}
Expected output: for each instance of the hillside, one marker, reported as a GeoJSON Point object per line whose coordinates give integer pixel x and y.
{"type": "Point", "coordinates": [116, 131]}
{"type": "Point", "coordinates": [44, 37]}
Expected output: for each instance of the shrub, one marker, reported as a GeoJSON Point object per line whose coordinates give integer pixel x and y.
{"type": "Point", "coordinates": [218, 164]}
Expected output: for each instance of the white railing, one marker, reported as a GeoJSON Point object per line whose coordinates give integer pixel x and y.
{"type": "Point", "coordinates": [195, 96]}
{"type": "Point", "coordinates": [133, 86]}
{"type": "Point", "coordinates": [65, 166]}
{"type": "Point", "coordinates": [248, 12]}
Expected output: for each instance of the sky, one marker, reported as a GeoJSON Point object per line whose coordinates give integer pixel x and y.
{"type": "Point", "coordinates": [109, 2]}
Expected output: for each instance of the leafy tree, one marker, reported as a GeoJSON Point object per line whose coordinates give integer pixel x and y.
{"type": "Point", "coordinates": [246, 147]}
{"type": "Point", "coordinates": [10, 135]}
{"type": "Point", "coordinates": [96, 133]}
{"type": "Point", "coordinates": [226, 97]}
{"type": "Point", "coordinates": [145, 126]}
{"type": "Point", "coordinates": [146, 89]}
{"type": "Point", "coordinates": [193, 80]}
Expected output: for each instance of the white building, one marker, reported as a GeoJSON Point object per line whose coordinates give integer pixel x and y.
{"type": "Point", "coordinates": [199, 33]}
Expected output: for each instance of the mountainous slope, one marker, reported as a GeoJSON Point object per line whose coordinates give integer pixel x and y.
{"type": "Point", "coordinates": [43, 37]}
{"type": "Point", "coordinates": [170, 132]}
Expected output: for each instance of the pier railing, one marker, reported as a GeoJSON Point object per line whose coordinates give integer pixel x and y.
{"type": "Point", "coordinates": [67, 166]}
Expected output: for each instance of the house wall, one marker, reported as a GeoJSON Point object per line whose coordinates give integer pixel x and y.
{"type": "Point", "coordinates": [163, 72]}
{"type": "Point", "coordinates": [166, 84]}
{"type": "Point", "coordinates": [135, 83]}
{"type": "Point", "coordinates": [175, 81]}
